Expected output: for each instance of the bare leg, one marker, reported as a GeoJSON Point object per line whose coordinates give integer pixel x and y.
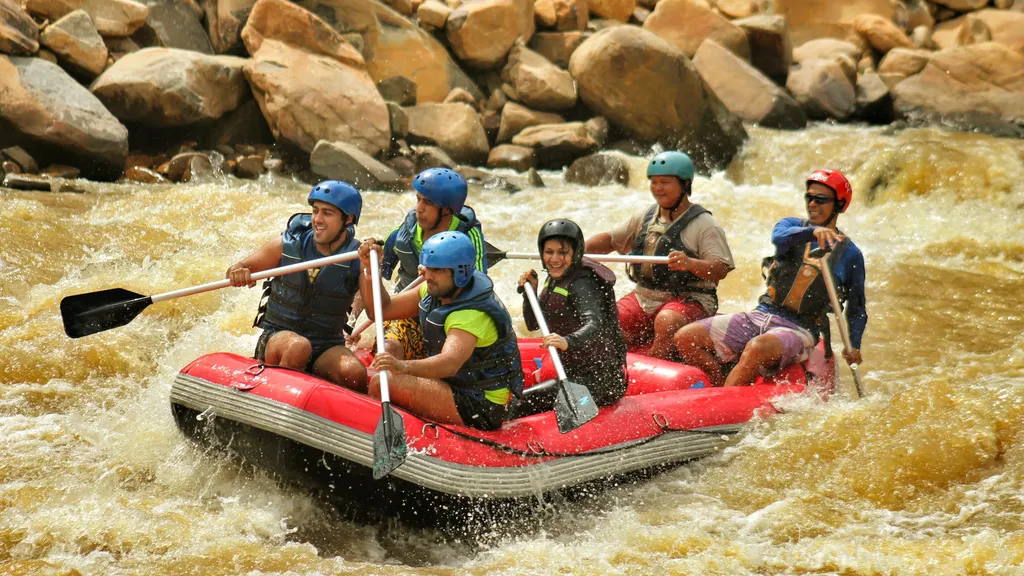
{"type": "Point", "coordinates": [339, 365]}
{"type": "Point", "coordinates": [288, 349]}
{"type": "Point", "coordinates": [764, 351]}
{"type": "Point", "coordinates": [395, 348]}
{"type": "Point", "coordinates": [425, 397]}
{"type": "Point", "coordinates": [666, 324]}
{"type": "Point", "coordinates": [697, 349]}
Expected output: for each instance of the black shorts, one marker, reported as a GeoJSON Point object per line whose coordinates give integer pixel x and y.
{"type": "Point", "coordinates": [320, 345]}
{"type": "Point", "coordinates": [479, 413]}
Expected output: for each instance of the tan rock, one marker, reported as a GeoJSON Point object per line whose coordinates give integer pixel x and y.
{"type": "Point", "coordinates": [619, 10]}
{"type": "Point", "coordinates": [286, 22]}
{"type": "Point", "coordinates": [915, 13]}
{"type": "Point", "coordinates": [165, 87]}
{"type": "Point", "coordinates": [822, 88]}
{"type": "Point", "coordinates": [433, 14]}
{"type": "Point", "coordinates": [75, 40]}
{"type": "Point", "coordinates": [308, 97]}
{"type": "Point", "coordinates": [921, 37]}
{"type": "Point", "coordinates": [827, 48]}
{"type": "Point", "coordinates": [537, 82]}
{"type": "Point", "coordinates": [460, 95]}
{"type": "Point", "coordinates": [962, 5]}
{"type": "Point", "coordinates": [61, 171]}
{"type": "Point", "coordinates": [771, 51]}
{"type": "Point", "coordinates": [880, 33]}
{"type": "Point", "coordinates": [23, 159]}
{"type": "Point", "coordinates": [562, 15]}
{"type": "Point", "coordinates": [456, 128]}
{"type": "Point", "coordinates": [874, 99]}
{"type": "Point", "coordinates": [813, 19]}
{"type": "Point", "coordinates": [394, 46]}
{"type": "Point", "coordinates": [47, 55]}
{"type": "Point", "coordinates": [687, 23]}
{"type": "Point", "coordinates": [59, 119]}
{"type": "Point", "coordinates": [174, 24]}
{"type": "Point", "coordinates": [544, 13]}
{"type": "Point", "coordinates": [973, 31]}
{"type": "Point", "coordinates": [737, 8]}
{"type": "Point", "coordinates": [111, 17]}
{"type": "Point", "coordinates": [496, 101]}
{"type": "Point", "coordinates": [144, 176]}
{"type": "Point", "coordinates": [19, 34]}
{"type": "Point", "coordinates": [557, 145]}
{"type": "Point", "coordinates": [904, 62]}
{"type": "Point", "coordinates": [745, 91]}
{"type": "Point", "coordinates": [224, 22]}
{"type": "Point", "coordinates": [556, 47]}
{"type": "Point", "coordinates": [971, 87]}
{"type": "Point", "coordinates": [651, 92]}
{"type": "Point", "coordinates": [518, 158]}
{"type": "Point", "coordinates": [481, 32]}
{"type": "Point", "coordinates": [515, 118]}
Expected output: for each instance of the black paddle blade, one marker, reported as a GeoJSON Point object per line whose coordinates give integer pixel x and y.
{"type": "Point", "coordinates": [389, 449]}
{"type": "Point", "coordinates": [493, 254]}
{"type": "Point", "coordinates": [85, 314]}
{"type": "Point", "coordinates": [574, 406]}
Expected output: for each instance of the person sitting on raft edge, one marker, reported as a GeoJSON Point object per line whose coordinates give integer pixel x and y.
{"type": "Point", "coordinates": [304, 315]}
{"type": "Point", "coordinates": [473, 365]}
{"type": "Point", "coordinates": [667, 298]}
{"type": "Point", "coordinates": [786, 324]}
{"type": "Point", "coordinates": [578, 303]}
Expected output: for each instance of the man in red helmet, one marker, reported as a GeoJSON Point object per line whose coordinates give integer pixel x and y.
{"type": "Point", "coordinates": [790, 316]}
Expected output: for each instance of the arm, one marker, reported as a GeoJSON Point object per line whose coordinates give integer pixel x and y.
{"type": "Point", "coordinates": [587, 298]}
{"type": "Point", "coordinates": [711, 270]}
{"type": "Point", "coordinates": [599, 244]}
{"type": "Point", "coordinates": [790, 232]}
{"type": "Point", "coordinates": [856, 303]}
{"type": "Point", "coordinates": [264, 258]}
{"type": "Point", "coordinates": [528, 316]}
{"type": "Point", "coordinates": [477, 236]}
{"type": "Point", "coordinates": [458, 347]}
{"type": "Point", "coordinates": [404, 305]}
{"type": "Point", "coordinates": [389, 259]}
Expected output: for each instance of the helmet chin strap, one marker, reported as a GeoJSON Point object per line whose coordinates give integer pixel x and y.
{"type": "Point", "coordinates": [344, 226]}
{"type": "Point", "coordinates": [682, 195]}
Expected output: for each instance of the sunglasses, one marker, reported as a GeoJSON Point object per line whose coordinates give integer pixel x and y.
{"type": "Point", "coordinates": [818, 199]}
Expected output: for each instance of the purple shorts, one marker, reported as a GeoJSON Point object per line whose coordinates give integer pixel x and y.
{"type": "Point", "coordinates": [731, 332]}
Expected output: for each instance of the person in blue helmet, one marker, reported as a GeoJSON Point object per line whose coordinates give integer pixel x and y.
{"type": "Point", "coordinates": [668, 297]}
{"type": "Point", "coordinates": [304, 317]}
{"type": "Point", "coordinates": [440, 207]}
{"type": "Point", "coordinates": [472, 364]}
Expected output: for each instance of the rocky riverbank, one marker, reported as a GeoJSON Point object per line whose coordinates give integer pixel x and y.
{"type": "Point", "coordinates": [371, 92]}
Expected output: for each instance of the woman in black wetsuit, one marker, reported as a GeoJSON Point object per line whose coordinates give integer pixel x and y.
{"type": "Point", "coordinates": [578, 302]}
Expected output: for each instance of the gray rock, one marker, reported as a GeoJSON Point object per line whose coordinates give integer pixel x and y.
{"type": "Point", "coordinates": [597, 170]}
{"type": "Point", "coordinates": [23, 159]}
{"type": "Point", "coordinates": [399, 120]}
{"type": "Point", "coordinates": [75, 40]}
{"type": "Point", "coordinates": [19, 34]}
{"type": "Point", "coordinates": [173, 24]}
{"type": "Point", "coordinates": [341, 161]}
{"type": "Point", "coordinates": [432, 157]}
{"type": "Point", "coordinates": [398, 89]}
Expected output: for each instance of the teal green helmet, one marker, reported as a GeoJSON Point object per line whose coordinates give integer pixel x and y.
{"type": "Point", "coordinates": [671, 163]}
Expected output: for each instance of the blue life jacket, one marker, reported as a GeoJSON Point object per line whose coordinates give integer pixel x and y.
{"type": "Point", "coordinates": [317, 308]}
{"type": "Point", "coordinates": [409, 256]}
{"type": "Point", "coordinates": [492, 368]}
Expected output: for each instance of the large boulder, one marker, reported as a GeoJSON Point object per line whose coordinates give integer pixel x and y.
{"type": "Point", "coordinates": [164, 87]}
{"type": "Point", "coordinates": [563, 15]}
{"type": "Point", "coordinates": [618, 10]}
{"type": "Point", "coordinates": [771, 51]}
{"type": "Point", "coordinates": [745, 91]}
{"type": "Point", "coordinates": [1004, 26]}
{"type": "Point", "coordinates": [874, 99]}
{"type": "Point", "coordinates": [557, 47]}
{"type": "Point", "coordinates": [650, 91]}
{"type": "Point", "coordinates": [289, 23]}
{"type": "Point", "coordinates": [687, 23]}
{"type": "Point", "coordinates": [341, 161]}
{"type": "Point", "coordinates": [827, 48]}
{"type": "Point", "coordinates": [455, 127]}
{"type": "Point", "coordinates": [971, 87]}
{"type": "Point", "coordinates": [173, 24]}
{"type": "Point", "coordinates": [481, 32]}
{"type": "Point", "coordinates": [881, 33]}
{"type": "Point", "coordinates": [598, 169]}
{"type": "Point", "coordinates": [394, 46]}
{"type": "Point", "coordinates": [557, 145]}
{"type": "Point", "coordinates": [900, 63]}
{"type": "Point", "coordinates": [111, 17]}
{"type": "Point", "coordinates": [823, 88]}
{"type": "Point", "coordinates": [224, 22]}
{"type": "Point", "coordinates": [538, 83]}
{"type": "Point", "coordinates": [75, 40]}
{"type": "Point", "coordinates": [514, 118]}
{"type": "Point", "coordinates": [53, 117]}
{"type": "Point", "coordinates": [811, 19]}
{"type": "Point", "coordinates": [518, 158]}
{"type": "Point", "coordinates": [19, 34]}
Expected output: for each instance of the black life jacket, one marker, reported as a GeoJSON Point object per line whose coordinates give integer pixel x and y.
{"type": "Point", "coordinates": [409, 255]}
{"type": "Point", "coordinates": [490, 368]}
{"type": "Point", "coordinates": [311, 303]}
{"type": "Point", "coordinates": [659, 277]}
{"type": "Point", "coordinates": [554, 296]}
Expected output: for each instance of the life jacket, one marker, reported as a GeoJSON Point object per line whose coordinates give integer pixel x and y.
{"type": "Point", "coordinates": [312, 303]}
{"type": "Point", "coordinates": [555, 295]}
{"type": "Point", "coordinates": [795, 283]}
{"type": "Point", "coordinates": [658, 276]}
{"type": "Point", "coordinates": [409, 256]}
{"type": "Point", "coordinates": [491, 368]}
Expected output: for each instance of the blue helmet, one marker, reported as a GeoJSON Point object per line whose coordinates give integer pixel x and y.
{"type": "Point", "coordinates": [445, 188]}
{"type": "Point", "coordinates": [342, 195]}
{"type": "Point", "coordinates": [452, 250]}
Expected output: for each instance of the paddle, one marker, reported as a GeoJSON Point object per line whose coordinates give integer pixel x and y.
{"type": "Point", "coordinates": [837, 309]}
{"type": "Point", "coordinates": [495, 255]}
{"type": "Point", "coordinates": [362, 327]}
{"type": "Point", "coordinates": [93, 312]}
{"type": "Point", "coordinates": [389, 449]}
{"type": "Point", "coordinates": [574, 406]}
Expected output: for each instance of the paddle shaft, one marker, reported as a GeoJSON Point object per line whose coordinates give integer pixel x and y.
{"type": "Point", "coordinates": [281, 271]}
{"type": "Point", "coordinates": [837, 309]}
{"type": "Point", "coordinates": [378, 320]}
{"type": "Point", "coordinates": [630, 258]}
{"type": "Point", "coordinates": [362, 327]}
{"type": "Point", "coordinates": [544, 328]}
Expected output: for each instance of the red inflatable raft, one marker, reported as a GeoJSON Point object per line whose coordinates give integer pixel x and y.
{"type": "Point", "coordinates": [319, 435]}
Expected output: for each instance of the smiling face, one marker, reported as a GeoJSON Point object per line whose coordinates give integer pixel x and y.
{"type": "Point", "coordinates": [821, 201]}
{"type": "Point", "coordinates": [557, 256]}
{"type": "Point", "coordinates": [666, 190]}
{"type": "Point", "coordinates": [328, 222]}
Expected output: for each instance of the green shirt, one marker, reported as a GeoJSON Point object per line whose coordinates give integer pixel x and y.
{"type": "Point", "coordinates": [474, 235]}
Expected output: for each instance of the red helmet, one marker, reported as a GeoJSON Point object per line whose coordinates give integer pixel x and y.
{"type": "Point", "coordinates": [835, 180]}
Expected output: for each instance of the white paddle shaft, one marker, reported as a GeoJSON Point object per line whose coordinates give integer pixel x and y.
{"type": "Point", "coordinates": [544, 328]}
{"type": "Point", "coordinates": [631, 258]}
{"type": "Point", "coordinates": [378, 320]}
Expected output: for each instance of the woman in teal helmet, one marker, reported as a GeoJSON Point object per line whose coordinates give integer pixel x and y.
{"type": "Point", "coordinates": [667, 297]}
{"type": "Point", "coordinates": [305, 316]}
